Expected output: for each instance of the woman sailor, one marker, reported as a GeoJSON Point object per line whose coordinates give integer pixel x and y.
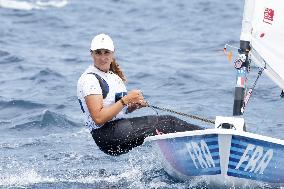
{"type": "Point", "coordinates": [104, 101]}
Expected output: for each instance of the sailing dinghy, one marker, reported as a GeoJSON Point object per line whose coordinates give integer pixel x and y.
{"type": "Point", "coordinates": [227, 154]}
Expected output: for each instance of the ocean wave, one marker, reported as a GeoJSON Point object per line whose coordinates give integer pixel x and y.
{"type": "Point", "coordinates": [47, 120]}
{"type": "Point", "coordinates": [45, 75]}
{"type": "Point", "coordinates": [3, 53]}
{"type": "Point", "coordinates": [6, 58]}
{"type": "Point", "coordinates": [73, 60]}
{"type": "Point", "coordinates": [24, 143]}
{"type": "Point", "coordinates": [5, 122]}
{"type": "Point", "coordinates": [29, 5]}
{"type": "Point", "coordinates": [23, 104]}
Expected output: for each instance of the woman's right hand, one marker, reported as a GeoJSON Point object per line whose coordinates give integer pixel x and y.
{"type": "Point", "coordinates": [135, 97]}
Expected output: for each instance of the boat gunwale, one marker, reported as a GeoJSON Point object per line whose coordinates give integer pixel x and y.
{"type": "Point", "coordinates": [214, 131]}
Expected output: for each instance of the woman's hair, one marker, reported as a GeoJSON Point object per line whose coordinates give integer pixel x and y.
{"type": "Point", "coordinates": [114, 67]}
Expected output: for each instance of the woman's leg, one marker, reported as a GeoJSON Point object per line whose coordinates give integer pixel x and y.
{"type": "Point", "coordinates": [117, 137]}
{"type": "Point", "coordinates": [171, 124]}
{"type": "Point", "coordinates": [120, 136]}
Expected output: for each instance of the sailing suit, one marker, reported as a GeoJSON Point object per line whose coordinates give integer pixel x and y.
{"type": "Point", "coordinates": [121, 134]}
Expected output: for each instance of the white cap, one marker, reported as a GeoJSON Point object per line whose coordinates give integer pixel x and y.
{"type": "Point", "coordinates": [102, 41]}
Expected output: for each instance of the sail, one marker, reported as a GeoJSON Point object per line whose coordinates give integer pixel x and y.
{"type": "Point", "coordinates": [263, 26]}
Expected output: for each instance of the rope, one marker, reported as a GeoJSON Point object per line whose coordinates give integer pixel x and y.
{"type": "Point", "coordinates": [249, 93]}
{"type": "Point", "coordinates": [182, 114]}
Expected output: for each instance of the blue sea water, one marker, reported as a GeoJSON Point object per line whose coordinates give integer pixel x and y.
{"type": "Point", "coordinates": [171, 50]}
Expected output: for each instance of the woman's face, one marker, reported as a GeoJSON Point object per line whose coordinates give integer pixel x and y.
{"type": "Point", "coordinates": [102, 59]}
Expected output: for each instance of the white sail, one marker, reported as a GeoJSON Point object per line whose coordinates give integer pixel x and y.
{"type": "Point", "coordinates": [263, 26]}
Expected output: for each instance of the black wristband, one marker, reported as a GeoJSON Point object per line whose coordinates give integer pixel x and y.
{"type": "Point", "coordinates": [122, 102]}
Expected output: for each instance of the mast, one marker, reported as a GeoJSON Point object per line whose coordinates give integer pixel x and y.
{"type": "Point", "coordinates": [242, 62]}
{"type": "Point", "coordinates": [242, 71]}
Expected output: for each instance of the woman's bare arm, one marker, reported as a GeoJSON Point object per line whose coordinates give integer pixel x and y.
{"type": "Point", "coordinates": [101, 114]}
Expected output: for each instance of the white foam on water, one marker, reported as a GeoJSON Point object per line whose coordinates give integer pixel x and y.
{"type": "Point", "coordinates": [24, 178]}
{"type": "Point", "coordinates": [160, 184]}
{"type": "Point", "coordinates": [19, 5]}
{"type": "Point", "coordinates": [129, 175]}
{"type": "Point", "coordinates": [26, 5]}
{"type": "Point", "coordinates": [53, 3]}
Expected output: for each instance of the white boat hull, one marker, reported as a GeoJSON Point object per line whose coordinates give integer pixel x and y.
{"type": "Point", "coordinates": [222, 156]}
